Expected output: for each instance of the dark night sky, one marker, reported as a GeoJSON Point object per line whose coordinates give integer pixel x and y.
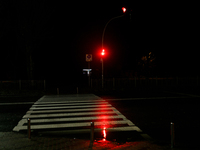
{"type": "Point", "coordinates": [169, 30]}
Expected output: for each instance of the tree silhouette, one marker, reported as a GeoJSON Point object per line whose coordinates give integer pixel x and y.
{"type": "Point", "coordinates": [147, 65]}
{"type": "Point", "coordinates": [34, 25]}
{"type": "Point", "coordinates": [32, 22]}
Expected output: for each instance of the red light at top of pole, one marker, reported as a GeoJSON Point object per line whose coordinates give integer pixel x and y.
{"type": "Point", "coordinates": [123, 9]}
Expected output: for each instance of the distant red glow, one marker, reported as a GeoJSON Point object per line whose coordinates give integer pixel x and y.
{"type": "Point", "coordinates": [123, 9]}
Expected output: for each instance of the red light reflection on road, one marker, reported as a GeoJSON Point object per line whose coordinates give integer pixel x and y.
{"type": "Point", "coordinates": [104, 119]}
{"type": "Point", "coordinates": [104, 134]}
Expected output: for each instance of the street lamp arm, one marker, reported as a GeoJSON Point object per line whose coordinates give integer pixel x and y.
{"type": "Point", "coordinates": [103, 39]}
{"type": "Point", "coordinates": [107, 25]}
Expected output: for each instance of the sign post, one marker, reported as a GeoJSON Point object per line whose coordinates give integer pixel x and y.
{"type": "Point", "coordinates": [89, 59]}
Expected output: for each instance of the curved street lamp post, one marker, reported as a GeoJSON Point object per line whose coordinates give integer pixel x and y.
{"type": "Point", "coordinates": [103, 51]}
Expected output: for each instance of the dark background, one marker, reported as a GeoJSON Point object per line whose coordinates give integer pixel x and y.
{"type": "Point", "coordinates": [58, 35]}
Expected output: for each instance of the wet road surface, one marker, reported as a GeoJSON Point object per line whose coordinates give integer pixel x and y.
{"type": "Point", "coordinates": [154, 112]}
{"type": "Point", "coordinates": [12, 109]}
{"type": "Point", "coordinates": [152, 115]}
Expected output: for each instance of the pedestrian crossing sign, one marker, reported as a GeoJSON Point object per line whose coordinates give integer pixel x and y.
{"type": "Point", "coordinates": [88, 57]}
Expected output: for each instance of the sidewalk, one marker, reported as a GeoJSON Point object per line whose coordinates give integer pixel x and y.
{"type": "Point", "coordinates": [20, 141]}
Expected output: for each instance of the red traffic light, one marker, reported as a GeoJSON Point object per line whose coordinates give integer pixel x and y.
{"type": "Point", "coordinates": [123, 9]}
{"type": "Point", "coordinates": [103, 52]}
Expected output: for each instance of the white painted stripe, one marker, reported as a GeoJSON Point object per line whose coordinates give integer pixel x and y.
{"type": "Point", "coordinates": [66, 125]}
{"type": "Point", "coordinates": [66, 107]}
{"type": "Point", "coordinates": [67, 101]}
{"type": "Point", "coordinates": [127, 128]}
{"type": "Point", "coordinates": [41, 98]}
{"type": "Point", "coordinates": [41, 105]}
{"type": "Point", "coordinates": [68, 114]}
{"type": "Point", "coordinates": [73, 119]}
{"type": "Point", "coordinates": [22, 121]}
{"type": "Point", "coordinates": [70, 110]}
{"type": "Point", "coordinates": [119, 114]}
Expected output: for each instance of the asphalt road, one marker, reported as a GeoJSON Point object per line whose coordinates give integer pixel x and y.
{"type": "Point", "coordinates": [152, 112]}
{"type": "Point", "coordinates": [12, 109]}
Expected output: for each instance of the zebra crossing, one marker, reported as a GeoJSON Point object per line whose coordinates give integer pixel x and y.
{"type": "Point", "coordinates": [74, 113]}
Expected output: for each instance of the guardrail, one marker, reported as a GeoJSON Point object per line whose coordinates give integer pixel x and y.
{"type": "Point", "coordinates": [23, 84]}
{"type": "Point", "coordinates": [109, 83]}
{"type": "Point", "coordinates": [116, 83]}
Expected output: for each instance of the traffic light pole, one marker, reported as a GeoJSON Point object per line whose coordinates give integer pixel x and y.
{"type": "Point", "coordinates": [102, 72]}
